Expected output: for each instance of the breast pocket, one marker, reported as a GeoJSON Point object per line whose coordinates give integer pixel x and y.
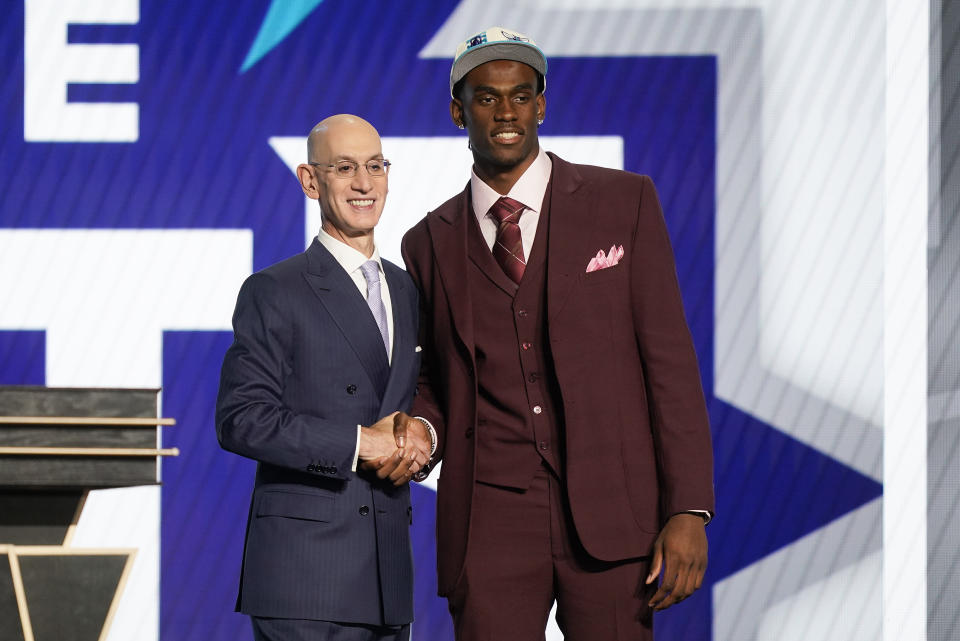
{"type": "Point", "coordinates": [605, 275]}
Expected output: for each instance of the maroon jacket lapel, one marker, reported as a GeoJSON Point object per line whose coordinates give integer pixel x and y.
{"type": "Point", "coordinates": [448, 233]}
{"type": "Point", "coordinates": [569, 210]}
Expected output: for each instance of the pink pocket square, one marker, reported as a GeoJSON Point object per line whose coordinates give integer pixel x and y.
{"type": "Point", "coordinates": [601, 261]}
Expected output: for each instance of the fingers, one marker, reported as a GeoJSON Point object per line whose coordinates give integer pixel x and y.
{"type": "Point", "coordinates": [681, 549]}
{"type": "Point", "coordinates": [657, 562]}
{"type": "Point", "coordinates": [657, 600]}
{"type": "Point", "coordinates": [400, 428]}
{"type": "Point", "coordinates": [374, 464]}
{"type": "Point", "coordinates": [398, 468]}
{"type": "Point", "coordinates": [680, 580]}
{"type": "Point", "coordinates": [401, 473]}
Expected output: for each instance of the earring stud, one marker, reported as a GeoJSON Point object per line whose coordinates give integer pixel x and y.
{"type": "Point", "coordinates": [459, 125]}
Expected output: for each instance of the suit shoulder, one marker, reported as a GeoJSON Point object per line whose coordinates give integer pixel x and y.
{"type": "Point", "coordinates": [293, 265]}
{"type": "Point", "coordinates": [447, 210]}
{"type": "Point", "coordinates": [418, 236]}
{"type": "Point", "coordinates": [450, 206]}
{"type": "Point", "coordinates": [417, 232]}
{"type": "Point", "coordinates": [620, 190]}
{"type": "Point", "coordinates": [395, 271]}
{"type": "Point", "coordinates": [613, 177]}
{"type": "Point", "coordinates": [270, 280]}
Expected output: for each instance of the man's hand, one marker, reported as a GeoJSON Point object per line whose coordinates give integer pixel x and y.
{"type": "Point", "coordinates": [681, 551]}
{"type": "Point", "coordinates": [398, 467]}
{"type": "Point", "coordinates": [411, 432]}
{"type": "Point", "coordinates": [377, 440]}
{"type": "Point", "coordinates": [391, 451]}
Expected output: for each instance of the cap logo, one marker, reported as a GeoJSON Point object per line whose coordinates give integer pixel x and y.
{"type": "Point", "coordinates": [514, 37]}
{"type": "Point", "coordinates": [477, 40]}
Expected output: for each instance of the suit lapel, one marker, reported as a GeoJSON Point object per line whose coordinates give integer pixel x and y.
{"type": "Point", "coordinates": [448, 232]}
{"type": "Point", "coordinates": [570, 207]}
{"type": "Point", "coordinates": [482, 257]}
{"type": "Point", "coordinates": [403, 336]}
{"type": "Point", "coordinates": [346, 306]}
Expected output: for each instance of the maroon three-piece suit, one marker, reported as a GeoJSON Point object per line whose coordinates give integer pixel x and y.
{"type": "Point", "coordinates": [590, 374]}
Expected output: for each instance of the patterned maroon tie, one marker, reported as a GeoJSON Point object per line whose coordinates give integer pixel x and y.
{"type": "Point", "coordinates": [508, 248]}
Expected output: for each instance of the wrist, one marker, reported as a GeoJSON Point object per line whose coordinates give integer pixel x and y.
{"type": "Point", "coordinates": [431, 432]}
{"type": "Point", "coordinates": [702, 514]}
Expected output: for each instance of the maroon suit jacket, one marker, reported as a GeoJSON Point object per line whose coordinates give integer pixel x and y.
{"type": "Point", "coordinates": [637, 439]}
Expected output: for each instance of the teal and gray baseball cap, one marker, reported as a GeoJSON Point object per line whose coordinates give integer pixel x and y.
{"type": "Point", "coordinates": [496, 43]}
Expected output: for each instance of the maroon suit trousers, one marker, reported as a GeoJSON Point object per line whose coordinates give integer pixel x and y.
{"type": "Point", "coordinates": [523, 553]}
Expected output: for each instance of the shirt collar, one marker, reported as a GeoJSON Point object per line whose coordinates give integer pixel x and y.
{"type": "Point", "coordinates": [529, 189]}
{"type": "Point", "coordinates": [348, 257]}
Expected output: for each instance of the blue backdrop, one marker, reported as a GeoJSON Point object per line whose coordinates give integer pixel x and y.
{"type": "Point", "coordinates": [209, 99]}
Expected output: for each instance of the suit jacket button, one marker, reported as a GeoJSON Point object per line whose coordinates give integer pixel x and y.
{"type": "Point", "coordinates": [311, 468]}
{"type": "Point", "coordinates": [332, 469]}
{"type": "Point", "coordinates": [351, 389]}
{"type": "Point", "coordinates": [364, 510]}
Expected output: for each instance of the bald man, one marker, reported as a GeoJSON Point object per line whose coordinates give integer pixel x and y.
{"type": "Point", "coordinates": [324, 356]}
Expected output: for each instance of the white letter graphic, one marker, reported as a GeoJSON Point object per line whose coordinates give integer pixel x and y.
{"type": "Point", "coordinates": [50, 64]}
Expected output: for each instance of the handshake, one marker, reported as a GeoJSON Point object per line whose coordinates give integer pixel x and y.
{"type": "Point", "coordinates": [397, 448]}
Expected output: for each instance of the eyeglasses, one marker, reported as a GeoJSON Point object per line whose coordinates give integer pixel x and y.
{"type": "Point", "coordinates": [348, 168]}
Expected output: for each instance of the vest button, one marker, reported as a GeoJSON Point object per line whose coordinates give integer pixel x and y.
{"type": "Point", "coordinates": [364, 510]}
{"type": "Point", "coordinates": [537, 409]}
{"type": "Point", "coordinates": [527, 345]}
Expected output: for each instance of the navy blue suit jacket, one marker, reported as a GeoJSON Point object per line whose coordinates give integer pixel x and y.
{"type": "Point", "coordinates": [306, 366]}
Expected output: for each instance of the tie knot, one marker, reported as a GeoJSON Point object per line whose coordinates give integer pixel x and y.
{"type": "Point", "coordinates": [371, 271]}
{"type": "Point", "coordinates": [507, 210]}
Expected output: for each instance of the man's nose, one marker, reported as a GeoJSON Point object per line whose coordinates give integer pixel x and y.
{"type": "Point", "coordinates": [362, 181]}
{"type": "Point", "coordinates": [506, 110]}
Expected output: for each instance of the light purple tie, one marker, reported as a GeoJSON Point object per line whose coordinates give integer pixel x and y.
{"type": "Point", "coordinates": [371, 272]}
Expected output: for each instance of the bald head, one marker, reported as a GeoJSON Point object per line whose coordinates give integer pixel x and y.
{"type": "Point", "coordinates": [340, 151]}
{"type": "Point", "coordinates": [330, 133]}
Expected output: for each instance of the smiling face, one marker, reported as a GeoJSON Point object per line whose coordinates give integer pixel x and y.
{"type": "Point", "coordinates": [499, 105]}
{"type": "Point", "coordinates": [350, 207]}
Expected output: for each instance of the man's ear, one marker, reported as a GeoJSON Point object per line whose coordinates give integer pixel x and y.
{"type": "Point", "coordinates": [456, 112]}
{"type": "Point", "coordinates": [308, 181]}
{"type": "Point", "coordinates": [541, 107]}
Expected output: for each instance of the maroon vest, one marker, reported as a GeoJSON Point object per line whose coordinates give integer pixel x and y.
{"type": "Point", "coordinates": [518, 425]}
